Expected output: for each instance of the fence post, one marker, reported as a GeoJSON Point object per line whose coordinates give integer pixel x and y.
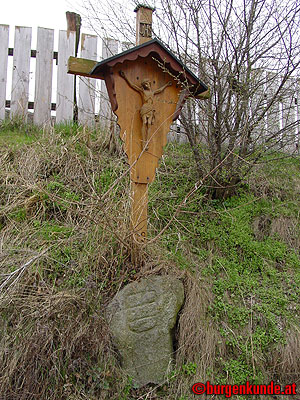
{"type": "Point", "coordinates": [74, 25]}
{"type": "Point", "coordinates": [273, 114]}
{"type": "Point", "coordinates": [87, 86]}
{"type": "Point", "coordinates": [4, 32]}
{"type": "Point", "coordinates": [21, 69]}
{"type": "Point", "coordinates": [65, 81]}
{"type": "Point", "coordinates": [257, 103]}
{"type": "Point", "coordinates": [289, 114]}
{"type": "Point", "coordinates": [43, 76]}
{"type": "Point", "coordinates": [109, 49]}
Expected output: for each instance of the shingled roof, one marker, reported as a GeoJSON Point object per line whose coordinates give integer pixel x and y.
{"type": "Point", "coordinates": [159, 52]}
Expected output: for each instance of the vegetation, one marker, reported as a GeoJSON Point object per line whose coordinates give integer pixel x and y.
{"type": "Point", "coordinates": [247, 53]}
{"type": "Point", "coordinates": [65, 251]}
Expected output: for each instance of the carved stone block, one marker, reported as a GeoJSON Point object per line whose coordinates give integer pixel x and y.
{"type": "Point", "coordinates": [141, 318]}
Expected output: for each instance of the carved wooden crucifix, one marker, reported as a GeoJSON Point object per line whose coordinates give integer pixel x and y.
{"type": "Point", "coordinates": [147, 110]}
{"type": "Point", "coordinates": [147, 87]}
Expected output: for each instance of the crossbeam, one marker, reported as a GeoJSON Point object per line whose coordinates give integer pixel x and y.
{"type": "Point", "coordinates": [82, 67]}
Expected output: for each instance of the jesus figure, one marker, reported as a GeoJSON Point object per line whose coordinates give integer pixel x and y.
{"type": "Point", "coordinates": [147, 110]}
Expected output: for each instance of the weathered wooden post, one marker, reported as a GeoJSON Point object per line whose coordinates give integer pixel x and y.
{"type": "Point", "coordinates": [74, 25]}
{"type": "Point", "coordinates": [143, 24]}
{"type": "Point", "coordinates": [147, 87]}
{"type": "Point", "coordinates": [139, 190]}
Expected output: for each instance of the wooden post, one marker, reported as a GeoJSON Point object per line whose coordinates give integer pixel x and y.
{"type": "Point", "coordinates": [21, 70]}
{"type": "Point", "coordinates": [43, 76]}
{"type": "Point", "coordinates": [107, 120]}
{"type": "Point", "coordinates": [4, 30]}
{"type": "Point", "coordinates": [139, 217]}
{"type": "Point", "coordinates": [74, 25]}
{"type": "Point", "coordinates": [87, 86]}
{"type": "Point", "coordinates": [146, 100]}
{"type": "Point", "coordinates": [65, 82]}
{"type": "Point", "coordinates": [143, 24]}
{"type": "Point", "coordinates": [139, 191]}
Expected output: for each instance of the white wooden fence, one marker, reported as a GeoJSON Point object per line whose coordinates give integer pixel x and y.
{"type": "Point", "coordinates": [50, 75]}
{"type": "Point", "coordinates": [46, 61]}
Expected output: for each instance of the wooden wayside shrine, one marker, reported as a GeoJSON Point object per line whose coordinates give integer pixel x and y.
{"type": "Point", "coordinates": [147, 87]}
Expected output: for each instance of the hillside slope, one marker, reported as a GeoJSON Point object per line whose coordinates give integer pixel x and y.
{"type": "Point", "coordinates": [65, 252]}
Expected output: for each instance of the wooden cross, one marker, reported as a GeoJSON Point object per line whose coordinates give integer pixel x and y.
{"type": "Point", "coordinates": [147, 87]}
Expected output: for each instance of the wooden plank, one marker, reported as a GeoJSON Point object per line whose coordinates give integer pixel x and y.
{"type": "Point", "coordinates": [289, 115]}
{"type": "Point", "coordinates": [43, 76]}
{"type": "Point", "coordinates": [4, 32]}
{"type": "Point", "coordinates": [144, 162]}
{"type": "Point", "coordinates": [273, 123]}
{"type": "Point", "coordinates": [21, 69]}
{"type": "Point", "coordinates": [65, 81]}
{"type": "Point", "coordinates": [74, 25]}
{"type": "Point", "coordinates": [289, 105]}
{"type": "Point", "coordinates": [80, 66]}
{"type": "Point", "coordinates": [86, 92]}
{"type": "Point", "coordinates": [139, 196]}
{"type": "Point", "coordinates": [109, 49]}
{"type": "Point", "coordinates": [258, 102]}
{"type": "Point", "coordinates": [143, 24]}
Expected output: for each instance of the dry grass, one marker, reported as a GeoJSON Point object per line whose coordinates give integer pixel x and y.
{"type": "Point", "coordinates": [287, 229]}
{"type": "Point", "coordinates": [289, 365]}
{"type": "Point", "coordinates": [199, 342]}
{"type": "Point", "coordinates": [64, 252]}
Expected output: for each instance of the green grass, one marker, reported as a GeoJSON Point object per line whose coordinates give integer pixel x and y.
{"type": "Point", "coordinates": [17, 133]}
{"type": "Point", "coordinates": [239, 260]}
{"type": "Point", "coordinates": [15, 138]}
{"type": "Point", "coordinates": [254, 281]}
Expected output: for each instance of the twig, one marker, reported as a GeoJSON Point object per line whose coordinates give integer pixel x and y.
{"type": "Point", "coordinates": [15, 276]}
{"type": "Point", "coordinates": [191, 192]}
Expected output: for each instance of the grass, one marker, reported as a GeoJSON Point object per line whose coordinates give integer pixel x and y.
{"type": "Point", "coordinates": [17, 133]}
{"type": "Point", "coordinates": [252, 270]}
{"type": "Point", "coordinates": [65, 251]}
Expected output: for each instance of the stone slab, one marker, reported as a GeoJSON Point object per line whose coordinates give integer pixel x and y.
{"type": "Point", "coordinates": [141, 318]}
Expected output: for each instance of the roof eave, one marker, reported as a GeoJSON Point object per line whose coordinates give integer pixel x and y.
{"type": "Point", "coordinates": [154, 46]}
